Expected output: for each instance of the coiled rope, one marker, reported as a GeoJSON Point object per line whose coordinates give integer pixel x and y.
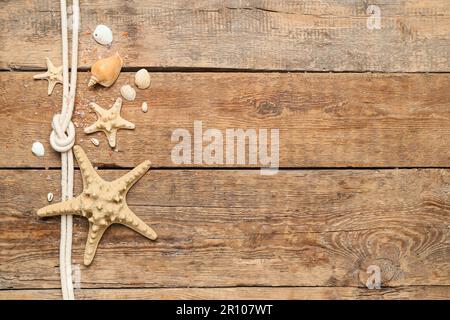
{"type": "Point", "coordinates": [62, 140]}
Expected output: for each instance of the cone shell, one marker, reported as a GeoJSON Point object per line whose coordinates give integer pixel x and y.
{"type": "Point", "coordinates": [106, 71]}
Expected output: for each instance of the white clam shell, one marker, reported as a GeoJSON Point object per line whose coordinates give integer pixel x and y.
{"type": "Point", "coordinates": [142, 79]}
{"type": "Point", "coordinates": [50, 197]}
{"type": "Point", "coordinates": [128, 93]}
{"type": "Point", "coordinates": [103, 35]}
{"type": "Point", "coordinates": [144, 107]}
{"type": "Point", "coordinates": [95, 142]}
{"type": "Point", "coordinates": [38, 149]}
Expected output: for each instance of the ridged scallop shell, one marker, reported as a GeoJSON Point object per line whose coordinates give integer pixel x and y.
{"type": "Point", "coordinates": [128, 93]}
{"type": "Point", "coordinates": [142, 79]}
{"type": "Point", "coordinates": [103, 35]}
{"type": "Point", "coordinates": [106, 71]}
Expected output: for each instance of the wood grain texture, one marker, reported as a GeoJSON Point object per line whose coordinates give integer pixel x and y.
{"type": "Point", "coordinates": [235, 234]}
{"type": "Point", "coordinates": [239, 293]}
{"type": "Point", "coordinates": [238, 228]}
{"type": "Point", "coordinates": [253, 34]}
{"type": "Point", "coordinates": [325, 120]}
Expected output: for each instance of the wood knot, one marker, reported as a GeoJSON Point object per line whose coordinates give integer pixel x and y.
{"type": "Point", "coordinates": [267, 108]}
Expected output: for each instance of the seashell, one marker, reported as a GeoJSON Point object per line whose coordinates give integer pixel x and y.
{"type": "Point", "coordinates": [38, 149]}
{"type": "Point", "coordinates": [144, 107]}
{"type": "Point", "coordinates": [128, 92]}
{"type": "Point", "coordinates": [50, 197]}
{"type": "Point", "coordinates": [95, 142]}
{"type": "Point", "coordinates": [106, 71]}
{"type": "Point", "coordinates": [103, 35]}
{"type": "Point", "coordinates": [142, 79]}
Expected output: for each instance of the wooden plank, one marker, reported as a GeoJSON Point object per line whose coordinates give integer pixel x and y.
{"type": "Point", "coordinates": [325, 120]}
{"type": "Point", "coordinates": [256, 34]}
{"type": "Point", "coordinates": [238, 228]}
{"type": "Point", "coordinates": [240, 293]}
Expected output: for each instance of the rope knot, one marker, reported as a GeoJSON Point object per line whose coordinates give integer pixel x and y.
{"type": "Point", "coordinates": [62, 139]}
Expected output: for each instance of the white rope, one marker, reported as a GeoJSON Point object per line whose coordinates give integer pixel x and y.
{"type": "Point", "coordinates": [62, 140]}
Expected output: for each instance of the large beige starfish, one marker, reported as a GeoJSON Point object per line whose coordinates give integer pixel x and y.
{"type": "Point", "coordinates": [53, 75]}
{"type": "Point", "coordinates": [109, 121]}
{"type": "Point", "coordinates": [102, 203]}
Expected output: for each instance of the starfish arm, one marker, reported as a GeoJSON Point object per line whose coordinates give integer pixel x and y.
{"type": "Point", "coordinates": [51, 86]}
{"type": "Point", "coordinates": [87, 170]}
{"type": "Point", "coordinates": [130, 178]}
{"type": "Point", "coordinates": [92, 128]}
{"type": "Point", "coordinates": [42, 76]}
{"type": "Point", "coordinates": [98, 110]}
{"type": "Point", "coordinates": [60, 74]}
{"type": "Point", "coordinates": [50, 65]}
{"type": "Point", "coordinates": [117, 106]}
{"type": "Point", "coordinates": [72, 206]}
{"type": "Point", "coordinates": [121, 123]}
{"type": "Point", "coordinates": [112, 136]}
{"type": "Point", "coordinates": [132, 221]}
{"type": "Point", "coordinates": [94, 236]}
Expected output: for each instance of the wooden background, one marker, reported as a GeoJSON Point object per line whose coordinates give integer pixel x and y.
{"type": "Point", "coordinates": [364, 120]}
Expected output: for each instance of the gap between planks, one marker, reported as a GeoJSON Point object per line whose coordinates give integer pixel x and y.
{"type": "Point", "coordinates": [227, 70]}
{"type": "Point", "coordinates": [224, 70]}
{"type": "Point", "coordinates": [236, 168]}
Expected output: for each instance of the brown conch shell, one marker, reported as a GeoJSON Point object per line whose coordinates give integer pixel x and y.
{"type": "Point", "coordinates": [106, 71]}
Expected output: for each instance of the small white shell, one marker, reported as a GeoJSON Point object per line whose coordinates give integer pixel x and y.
{"type": "Point", "coordinates": [50, 197]}
{"type": "Point", "coordinates": [103, 35]}
{"type": "Point", "coordinates": [128, 92]}
{"type": "Point", "coordinates": [95, 142]}
{"type": "Point", "coordinates": [142, 79]}
{"type": "Point", "coordinates": [144, 107]}
{"type": "Point", "coordinates": [38, 149]}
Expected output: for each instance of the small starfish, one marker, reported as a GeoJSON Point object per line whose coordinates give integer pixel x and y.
{"type": "Point", "coordinates": [102, 202]}
{"type": "Point", "coordinates": [53, 75]}
{"type": "Point", "coordinates": [109, 121]}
